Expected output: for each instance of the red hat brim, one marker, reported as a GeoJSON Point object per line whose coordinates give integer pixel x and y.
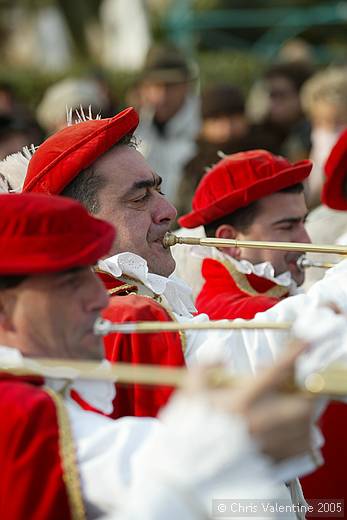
{"type": "Point", "coordinates": [243, 197]}
{"type": "Point", "coordinates": [65, 154]}
{"type": "Point", "coordinates": [335, 172]}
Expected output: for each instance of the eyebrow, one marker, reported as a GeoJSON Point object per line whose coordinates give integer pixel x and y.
{"type": "Point", "coordinates": [155, 182]}
{"type": "Point", "coordinates": [291, 220]}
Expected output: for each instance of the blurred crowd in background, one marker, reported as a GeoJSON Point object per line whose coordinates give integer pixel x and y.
{"type": "Point", "coordinates": [295, 106]}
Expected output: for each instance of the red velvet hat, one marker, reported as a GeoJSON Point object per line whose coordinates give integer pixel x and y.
{"type": "Point", "coordinates": [43, 234]}
{"type": "Point", "coordinates": [335, 172]}
{"type": "Point", "coordinates": [239, 179]}
{"type": "Point", "coordinates": [66, 153]}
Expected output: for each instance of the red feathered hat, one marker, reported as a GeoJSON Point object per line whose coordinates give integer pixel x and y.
{"type": "Point", "coordinates": [239, 179]}
{"type": "Point", "coordinates": [66, 153]}
{"type": "Point", "coordinates": [335, 172]}
{"type": "Point", "coordinates": [42, 234]}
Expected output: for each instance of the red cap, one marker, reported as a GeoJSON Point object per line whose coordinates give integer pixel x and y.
{"type": "Point", "coordinates": [335, 172]}
{"type": "Point", "coordinates": [66, 153]}
{"type": "Point", "coordinates": [42, 234]}
{"type": "Point", "coordinates": [239, 179]}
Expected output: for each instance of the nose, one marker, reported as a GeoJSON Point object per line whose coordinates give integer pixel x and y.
{"type": "Point", "coordinates": [163, 210]}
{"type": "Point", "coordinates": [96, 296]}
{"type": "Point", "coordinates": [302, 235]}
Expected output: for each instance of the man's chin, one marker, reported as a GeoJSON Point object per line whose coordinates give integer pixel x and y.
{"type": "Point", "coordinates": [162, 267]}
{"type": "Point", "coordinates": [91, 348]}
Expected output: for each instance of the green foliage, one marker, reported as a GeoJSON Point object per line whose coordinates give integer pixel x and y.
{"type": "Point", "coordinates": [30, 85]}
{"type": "Point", "coordinates": [239, 68]}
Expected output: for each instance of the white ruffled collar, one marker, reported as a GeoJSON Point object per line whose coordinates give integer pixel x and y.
{"type": "Point", "coordinates": [176, 292]}
{"type": "Point", "coordinates": [98, 394]}
{"type": "Point", "coordinates": [263, 270]}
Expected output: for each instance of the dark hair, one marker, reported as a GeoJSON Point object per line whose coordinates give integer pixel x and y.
{"type": "Point", "coordinates": [296, 73]}
{"type": "Point", "coordinates": [243, 218]}
{"type": "Point", "coordinates": [86, 186]}
{"type": "Point", "coordinates": [11, 281]}
{"type": "Point", "coordinates": [221, 100]}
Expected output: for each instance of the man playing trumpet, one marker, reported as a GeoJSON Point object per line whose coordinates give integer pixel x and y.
{"type": "Point", "coordinates": [252, 195]}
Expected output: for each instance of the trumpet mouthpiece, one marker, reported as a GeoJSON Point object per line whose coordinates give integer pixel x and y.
{"type": "Point", "coordinates": [169, 240]}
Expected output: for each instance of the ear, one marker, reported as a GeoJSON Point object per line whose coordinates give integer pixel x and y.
{"type": "Point", "coordinates": [228, 231]}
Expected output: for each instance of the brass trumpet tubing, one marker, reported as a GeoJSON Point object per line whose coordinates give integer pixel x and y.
{"type": "Point", "coordinates": [331, 382]}
{"type": "Point", "coordinates": [171, 240]}
{"type": "Point", "coordinates": [104, 327]}
{"type": "Point", "coordinates": [93, 371]}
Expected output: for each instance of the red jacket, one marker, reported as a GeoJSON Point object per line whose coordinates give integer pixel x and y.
{"type": "Point", "coordinates": [227, 293]}
{"type": "Point", "coordinates": [230, 294]}
{"type": "Point", "coordinates": [165, 348]}
{"type": "Point", "coordinates": [38, 477]}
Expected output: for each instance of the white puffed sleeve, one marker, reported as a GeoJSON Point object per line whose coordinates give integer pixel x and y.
{"type": "Point", "coordinates": [248, 351]}
{"type": "Point", "coordinates": [144, 468]}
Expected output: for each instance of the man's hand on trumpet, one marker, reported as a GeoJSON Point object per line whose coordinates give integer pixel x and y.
{"type": "Point", "coordinates": [279, 422]}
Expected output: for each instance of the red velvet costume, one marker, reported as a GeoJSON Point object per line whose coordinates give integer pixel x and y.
{"type": "Point", "coordinates": [39, 479]}
{"type": "Point", "coordinates": [227, 293]}
{"type": "Point", "coordinates": [165, 349]}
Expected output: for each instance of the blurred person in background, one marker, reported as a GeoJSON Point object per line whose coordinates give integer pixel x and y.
{"type": "Point", "coordinates": [276, 105]}
{"type": "Point", "coordinates": [324, 99]}
{"type": "Point", "coordinates": [8, 100]}
{"type": "Point", "coordinates": [225, 129]}
{"type": "Point", "coordinates": [70, 94]}
{"type": "Point", "coordinates": [112, 103]}
{"type": "Point", "coordinates": [327, 223]}
{"type": "Point", "coordinates": [169, 114]}
{"type": "Point", "coordinates": [18, 126]}
{"type": "Point", "coordinates": [17, 131]}
{"type": "Point", "coordinates": [224, 124]}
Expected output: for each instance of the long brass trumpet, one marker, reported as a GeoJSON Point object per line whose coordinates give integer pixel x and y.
{"type": "Point", "coordinates": [330, 382]}
{"type": "Point", "coordinates": [105, 327]}
{"type": "Point", "coordinates": [304, 263]}
{"type": "Point", "coordinates": [170, 240]}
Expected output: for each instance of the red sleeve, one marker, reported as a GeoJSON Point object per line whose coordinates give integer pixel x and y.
{"type": "Point", "coordinates": [232, 306]}
{"type": "Point", "coordinates": [163, 348]}
{"type": "Point", "coordinates": [31, 477]}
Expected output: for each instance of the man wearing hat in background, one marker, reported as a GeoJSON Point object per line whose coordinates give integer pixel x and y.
{"type": "Point", "coordinates": [169, 112]}
{"type": "Point", "coordinates": [252, 195]}
{"type": "Point", "coordinates": [59, 461]}
{"type": "Point", "coordinates": [258, 196]}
